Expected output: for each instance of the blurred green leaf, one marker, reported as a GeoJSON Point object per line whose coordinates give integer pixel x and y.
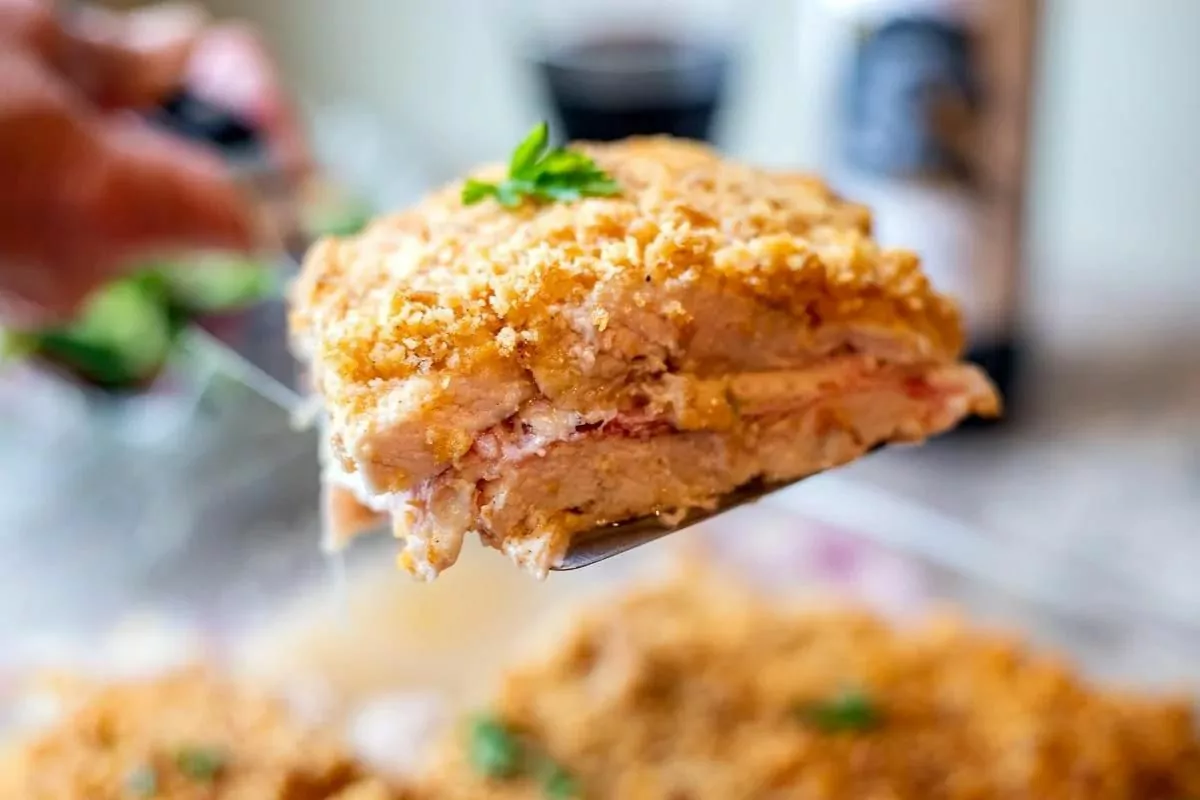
{"type": "Point", "coordinates": [126, 330]}
{"type": "Point", "coordinates": [16, 345]}
{"type": "Point", "coordinates": [121, 337]}
{"type": "Point", "coordinates": [557, 783]}
{"type": "Point", "coordinates": [142, 782]}
{"type": "Point", "coordinates": [849, 711]}
{"type": "Point", "coordinates": [344, 217]}
{"type": "Point", "coordinates": [216, 283]}
{"type": "Point", "coordinates": [493, 750]}
{"type": "Point", "coordinates": [201, 763]}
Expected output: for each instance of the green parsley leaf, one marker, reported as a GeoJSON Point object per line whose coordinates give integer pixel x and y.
{"type": "Point", "coordinates": [850, 711]}
{"type": "Point", "coordinates": [563, 194]}
{"type": "Point", "coordinates": [557, 783]}
{"type": "Point", "coordinates": [529, 151]}
{"type": "Point", "coordinates": [542, 175]}
{"type": "Point", "coordinates": [475, 191]}
{"type": "Point", "coordinates": [142, 782]}
{"type": "Point", "coordinates": [510, 193]}
{"type": "Point", "coordinates": [200, 763]}
{"type": "Point", "coordinates": [601, 186]}
{"type": "Point", "coordinates": [565, 162]}
{"type": "Point", "coordinates": [493, 750]}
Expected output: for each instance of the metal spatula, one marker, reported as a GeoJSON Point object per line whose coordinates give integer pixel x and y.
{"type": "Point", "coordinates": [598, 544]}
{"type": "Point", "coordinates": [602, 543]}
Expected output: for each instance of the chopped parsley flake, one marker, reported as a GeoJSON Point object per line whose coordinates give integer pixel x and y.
{"type": "Point", "coordinates": [557, 783]}
{"type": "Point", "coordinates": [200, 763]}
{"type": "Point", "coordinates": [494, 751]}
{"type": "Point", "coordinates": [142, 782]}
{"type": "Point", "coordinates": [849, 711]}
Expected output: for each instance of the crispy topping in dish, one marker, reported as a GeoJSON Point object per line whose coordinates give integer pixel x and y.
{"type": "Point", "coordinates": [692, 690]}
{"type": "Point", "coordinates": [184, 737]}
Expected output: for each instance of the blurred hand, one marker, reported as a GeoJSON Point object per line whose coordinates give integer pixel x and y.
{"type": "Point", "coordinates": [88, 186]}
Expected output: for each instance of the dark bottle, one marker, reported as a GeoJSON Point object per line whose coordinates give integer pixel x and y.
{"type": "Point", "coordinates": [611, 88]}
{"type": "Point", "coordinates": [932, 133]}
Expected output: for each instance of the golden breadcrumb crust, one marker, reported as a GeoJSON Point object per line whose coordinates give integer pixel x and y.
{"type": "Point", "coordinates": [445, 288]}
{"type": "Point", "coordinates": [188, 736]}
{"type": "Point", "coordinates": [696, 691]}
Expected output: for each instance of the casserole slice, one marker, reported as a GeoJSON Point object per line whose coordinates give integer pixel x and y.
{"type": "Point", "coordinates": [526, 369]}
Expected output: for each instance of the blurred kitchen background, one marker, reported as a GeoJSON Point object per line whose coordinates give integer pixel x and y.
{"type": "Point", "coordinates": [1078, 119]}
{"type": "Point", "coordinates": [1042, 156]}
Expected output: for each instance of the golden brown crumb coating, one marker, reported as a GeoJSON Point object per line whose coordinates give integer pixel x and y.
{"type": "Point", "coordinates": [696, 691]}
{"type": "Point", "coordinates": [188, 736]}
{"type": "Point", "coordinates": [447, 289]}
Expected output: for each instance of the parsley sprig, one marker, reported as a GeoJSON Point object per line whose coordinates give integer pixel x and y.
{"type": "Point", "coordinates": [541, 174]}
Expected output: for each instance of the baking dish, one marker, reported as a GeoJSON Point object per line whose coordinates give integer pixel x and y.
{"type": "Point", "coordinates": [125, 555]}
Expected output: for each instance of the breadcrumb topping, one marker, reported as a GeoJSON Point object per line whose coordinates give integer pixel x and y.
{"type": "Point", "coordinates": [448, 288]}
{"type": "Point", "coordinates": [187, 736]}
{"type": "Point", "coordinates": [698, 690]}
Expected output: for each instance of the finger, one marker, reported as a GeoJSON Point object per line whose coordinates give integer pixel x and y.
{"type": "Point", "coordinates": [131, 59]}
{"type": "Point", "coordinates": [18, 312]}
{"type": "Point", "coordinates": [139, 194]}
{"type": "Point", "coordinates": [85, 195]}
{"type": "Point", "coordinates": [45, 146]}
{"type": "Point", "coordinates": [32, 296]}
{"type": "Point", "coordinates": [28, 24]}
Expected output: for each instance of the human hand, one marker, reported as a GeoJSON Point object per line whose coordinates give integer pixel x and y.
{"type": "Point", "coordinates": [88, 185]}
